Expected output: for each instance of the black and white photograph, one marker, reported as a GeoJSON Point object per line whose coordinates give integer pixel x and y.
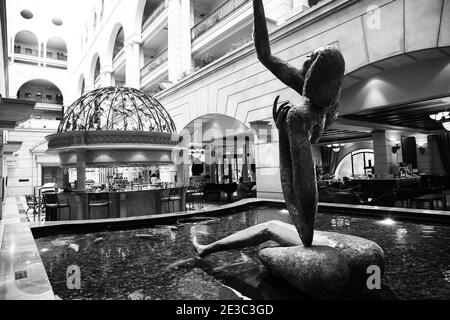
{"type": "Point", "coordinates": [224, 157]}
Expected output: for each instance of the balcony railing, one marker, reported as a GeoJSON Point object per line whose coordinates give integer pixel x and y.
{"type": "Point", "coordinates": [97, 82]}
{"type": "Point", "coordinates": [26, 51]}
{"type": "Point", "coordinates": [216, 16]}
{"type": "Point", "coordinates": [118, 55]}
{"type": "Point", "coordinates": [155, 14]}
{"type": "Point", "coordinates": [61, 56]}
{"type": "Point", "coordinates": [57, 106]}
{"type": "Point", "coordinates": [155, 63]}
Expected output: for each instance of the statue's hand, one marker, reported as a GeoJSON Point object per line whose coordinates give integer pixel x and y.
{"type": "Point", "coordinates": [279, 114]}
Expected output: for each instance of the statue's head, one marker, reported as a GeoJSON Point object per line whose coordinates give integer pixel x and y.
{"type": "Point", "coordinates": [323, 72]}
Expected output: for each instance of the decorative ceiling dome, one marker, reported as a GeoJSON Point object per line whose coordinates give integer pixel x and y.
{"type": "Point", "coordinates": [116, 108]}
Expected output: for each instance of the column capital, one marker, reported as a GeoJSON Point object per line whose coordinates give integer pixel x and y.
{"type": "Point", "coordinates": [134, 38]}
{"type": "Point", "coordinates": [107, 69]}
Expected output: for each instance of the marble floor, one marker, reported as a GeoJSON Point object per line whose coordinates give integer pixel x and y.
{"type": "Point", "coordinates": [22, 273]}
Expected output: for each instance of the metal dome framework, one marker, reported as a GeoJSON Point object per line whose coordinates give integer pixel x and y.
{"type": "Point", "coordinates": [117, 109]}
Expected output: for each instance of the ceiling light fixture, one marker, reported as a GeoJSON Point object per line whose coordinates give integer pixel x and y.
{"type": "Point", "coordinates": [336, 146]}
{"type": "Point", "coordinates": [446, 125]}
{"type": "Point", "coordinates": [443, 117]}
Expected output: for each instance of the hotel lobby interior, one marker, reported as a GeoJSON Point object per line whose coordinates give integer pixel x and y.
{"type": "Point", "coordinates": [143, 156]}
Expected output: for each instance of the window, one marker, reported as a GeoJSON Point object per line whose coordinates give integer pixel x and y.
{"type": "Point", "coordinates": [95, 20]}
{"type": "Point", "coordinates": [49, 54]}
{"type": "Point", "coordinates": [28, 51]}
{"type": "Point", "coordinates": [49, 97]}
{"type": "Point", "coordinates": [102, 9]}
{"type": "Point", "coordinates": [28, 95]}
{"type": "Point", "coordinates": [356, 164]}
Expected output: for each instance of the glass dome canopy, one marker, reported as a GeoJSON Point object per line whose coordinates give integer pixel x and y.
{"type": "Point", "coordinates": [116, 108]}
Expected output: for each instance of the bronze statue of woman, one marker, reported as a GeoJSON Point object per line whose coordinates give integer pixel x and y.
{"type": "Point", "coordinates": [325, 266]}
{"type": "Point", "coordinates": [319, 82]}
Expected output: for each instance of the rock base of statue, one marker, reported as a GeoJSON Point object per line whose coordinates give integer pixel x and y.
{"type": "Point", "coordinates": [336, 266]}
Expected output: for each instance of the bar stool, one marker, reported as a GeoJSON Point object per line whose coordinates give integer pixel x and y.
{"type": "Point", "coordinates": [51, 201]}
{"type": "Point", "coordinates": [165, 198]}
{"type": "Point", "coordinates": [31, 203]}
{"type": "Point", "coordinates": [175, 195]}
{"type": "Point", "coordinates": [445, 193]}
{"type": "Point", "coordinates": [98, 200]}
{"type": "Point", "coordinates": [195, 198]}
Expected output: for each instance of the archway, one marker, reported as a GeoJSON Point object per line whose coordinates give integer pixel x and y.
{"type": "Point", "coordinates": [95, 20]}
{"type": "Point", "coordinates": [81, 85]}
{"type": "Point", "coordinates": [41, 91]}
{"type": "Point", "coordinates": [119, 42]}
{"type": "Point", "coordinates": [149, 9]}
{"type": "Point", "coordinates": [97, 69]}
{"type": "Point", "coordinates": [56, 49]}
{"type": "Point", "coordinates": [26, 43]}
{"type": "Point", "coordinates": [221, 149]}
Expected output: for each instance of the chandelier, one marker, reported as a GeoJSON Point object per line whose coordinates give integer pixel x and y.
{"type": "Point", "coordinates": [336, 146]}
{"type": "Point", "coordinates": [443, 117]}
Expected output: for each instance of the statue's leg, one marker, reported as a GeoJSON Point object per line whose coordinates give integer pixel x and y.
{"type": "Point", "coordinates": [282, 233]}
{"type": "Point", "coordinates": [285, 160]}
{"type": "Point", "coordinates": [303, 173]}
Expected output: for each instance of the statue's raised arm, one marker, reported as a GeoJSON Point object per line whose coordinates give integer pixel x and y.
{"type": "Point", "coordinates": [289, 75]}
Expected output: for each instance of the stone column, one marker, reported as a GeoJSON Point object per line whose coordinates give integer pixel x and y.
{"type": "Point", "coordinates": [179, 37]}
{"type": "Point", "coordinates": [385, 156]}
{"type": "Point", "coordinates": [132, 61]}
{"type": "Point", "coordinates": [107, 76]}
{"type": "Point", "coordinates": [268, 181]}
{"type": "Point", "coordinates": [45, 57]}
{"type": "Point", "coordinates": [39, 175]}
{"type": "Point", "coordinates": [81, 170]}
{"type": "Point", "coordinates": [39, 54]}
{"type": "Point", "coordinates": [183, 174]}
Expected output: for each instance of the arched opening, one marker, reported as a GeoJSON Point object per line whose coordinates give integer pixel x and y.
{"type": "Point", "coordinates": [82, 85]}
{"type": "Point", "coordinates": [149, 9]}
{"type": "Point", "coordinates": [26, 47]}
{"type": "Point", "coordinates": [119, 43]}
{"type": "Point", "coordinates": [56, 50]}
{"type": "Point", "coordinates": [102, 9]}
{"type": "Point", "coordinates": [95, 21]}
{"type": "Point", "coordinates": [97, 70]}
{"type": "Point", "coordinates": [356, 164]}
{"type": "Point", "coordinates": [221, 150]}
{"type": "Point", "coordinates": [41, 91]}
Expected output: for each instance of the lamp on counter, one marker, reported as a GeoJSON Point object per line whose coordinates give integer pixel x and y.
{"type": "Point", "coordinates": [395, 148]}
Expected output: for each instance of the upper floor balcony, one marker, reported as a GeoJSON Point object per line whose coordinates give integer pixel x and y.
{"type": "Point", "coordinates": [119, 58]}
{"type": "Point", "coordinates": [32, 56]}
{"type": "Point", "coordinates": [160, 8]}
{"type": "Point", "coordinates": [97, 82]}
{"type": "Point", "coordinates": [159, 62]}
{"type": "Point", "coordinates": [217, 16]}
{"type": "Point", "coordinates": [26, 55]}
{"type": "Point", "coordinates": [155, 20]}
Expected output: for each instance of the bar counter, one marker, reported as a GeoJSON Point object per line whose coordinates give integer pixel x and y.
{"type": "Point", "coordinates": [122, 204]}
{"type": "Point", "coordinates": [376, 187]}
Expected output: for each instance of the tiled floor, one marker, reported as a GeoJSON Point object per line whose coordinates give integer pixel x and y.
{"type": "Point", "coordinates": [22, 274]}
